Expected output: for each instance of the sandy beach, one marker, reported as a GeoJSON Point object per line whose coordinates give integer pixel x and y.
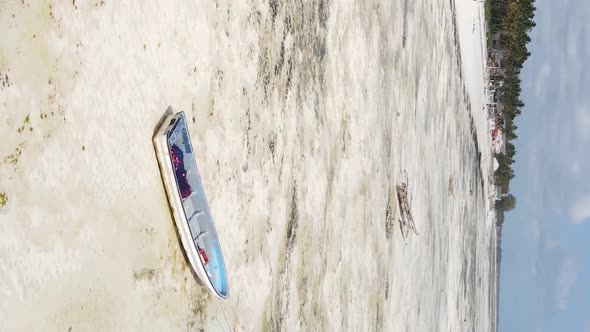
{"type": "Point", "coordinates": [303, 117]}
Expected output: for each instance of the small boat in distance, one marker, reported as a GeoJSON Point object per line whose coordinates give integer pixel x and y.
{"type": "Point", "coordinates": [186, 196]}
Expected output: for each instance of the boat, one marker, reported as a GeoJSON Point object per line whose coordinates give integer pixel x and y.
{"type": "Point", "coordinates": [188, 203]}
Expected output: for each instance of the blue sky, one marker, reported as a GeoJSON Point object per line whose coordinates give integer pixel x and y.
{"type": "Point", "coordinates": [546, 244]}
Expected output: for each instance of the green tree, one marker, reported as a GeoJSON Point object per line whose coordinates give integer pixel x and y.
{"type": "Point", "coordinates": [500, 218]}
{"type": "Point", "coordinates": [507, 203]}
{"type": "Point", "coordinates": [510, 22]}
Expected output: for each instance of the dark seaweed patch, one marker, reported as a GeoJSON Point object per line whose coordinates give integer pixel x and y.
{"type": "Point", "coordinates": [281, 298]}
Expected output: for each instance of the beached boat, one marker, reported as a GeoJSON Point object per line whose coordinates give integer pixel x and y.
{"type": "Point", "coordinates": [188, 202]}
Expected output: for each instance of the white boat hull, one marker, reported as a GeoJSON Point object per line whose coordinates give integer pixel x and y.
{"type": "Point", "coordinates": [178, 210]}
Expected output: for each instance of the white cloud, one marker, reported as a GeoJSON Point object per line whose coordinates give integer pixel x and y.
{"type": "Point", "coordinates": [580, 210]}
{"type": "Point", "coordinates": [535, 231]}
{"type": "Point", "coordinates": [575, 167]}
{"type": "Point", "coordinates": [543, 75]}
{"type": "Point", "coordinates": [550, 244]}
{"type": "Point", "coordinates": [565, 280]}
{"type": "Point", "coordinates": [572, 43]}
{"type": "Point", "coordinates": [583, 121]}
{"type": "Point", "coordinates": [582, 116]}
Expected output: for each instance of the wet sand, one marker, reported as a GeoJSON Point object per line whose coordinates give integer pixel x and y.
{"type": "Point", "coordinates": [303, 116]}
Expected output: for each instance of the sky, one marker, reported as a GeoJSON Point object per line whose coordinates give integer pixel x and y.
{"type": "Point", "coordinates": [545, 272]}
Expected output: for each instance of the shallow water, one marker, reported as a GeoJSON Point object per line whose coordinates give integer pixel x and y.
{"type": "Point", "coordinates": [303, 118]}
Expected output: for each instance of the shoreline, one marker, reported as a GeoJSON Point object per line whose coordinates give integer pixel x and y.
{"type": "Point", "coordinates": [466, 96]}
{"type": "Point", "coordinates": [486, 183]}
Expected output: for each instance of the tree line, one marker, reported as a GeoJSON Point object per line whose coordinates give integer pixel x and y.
{"type": "Point", "coordinates": [509, 24]}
